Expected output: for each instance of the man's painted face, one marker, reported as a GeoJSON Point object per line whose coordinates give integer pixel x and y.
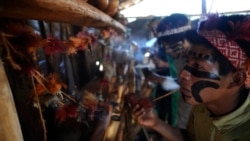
{"type": "Point", "coordinates": [175, 49]}
{"type": "Point", "coordinates": [200, 80]}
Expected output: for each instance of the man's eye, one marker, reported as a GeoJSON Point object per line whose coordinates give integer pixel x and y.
{"type": "Point", "coordinates": [198, 66]}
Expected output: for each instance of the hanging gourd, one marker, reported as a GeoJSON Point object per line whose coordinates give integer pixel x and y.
{"type": "Point", "coordinates": [112, 7]}
{"type": "Point", "coordinates": [99, 4]}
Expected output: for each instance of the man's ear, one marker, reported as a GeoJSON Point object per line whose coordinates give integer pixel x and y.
{"type": "Point", "coordinates": [239, 78]}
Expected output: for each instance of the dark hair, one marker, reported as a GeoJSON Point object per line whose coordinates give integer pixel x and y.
{"type": "Point", "coordinates": [161, 54]}
{"type": "Point", "coordinates": [170, 22]}
{"type": "Point", "coordinates": [171, 39]}
{"type": "Point", "coordinates": [173, 21]}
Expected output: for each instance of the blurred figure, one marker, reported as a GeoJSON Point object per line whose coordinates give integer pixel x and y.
{"type": "Point", "coordinates": [164, 107]}
{"type": "Point", "coordinates": [171, 37]}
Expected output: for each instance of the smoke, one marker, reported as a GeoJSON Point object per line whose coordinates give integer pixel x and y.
{"type": "Point", "coordinates": [170, 84]}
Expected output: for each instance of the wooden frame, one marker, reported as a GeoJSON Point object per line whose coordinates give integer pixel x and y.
{"type": "Point", "coordinates": [76, 12]}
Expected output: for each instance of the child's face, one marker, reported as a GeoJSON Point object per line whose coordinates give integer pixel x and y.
{"type": "Point", "coordinates": [200, 79]}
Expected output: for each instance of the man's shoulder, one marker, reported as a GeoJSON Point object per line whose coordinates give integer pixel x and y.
{"type": "Point", "coordinates": [199, 108]}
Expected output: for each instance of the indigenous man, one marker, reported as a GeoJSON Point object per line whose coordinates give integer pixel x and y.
{"type": "Point", "coordinates": [171, 36]}
{"type": "Point", "coordinates": [214, 81]}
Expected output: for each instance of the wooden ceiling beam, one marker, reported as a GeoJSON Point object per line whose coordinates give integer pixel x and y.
{"type": "Point", "coordinates": [75, 12]}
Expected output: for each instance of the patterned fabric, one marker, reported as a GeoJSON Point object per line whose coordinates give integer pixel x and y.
{"type": "Point", "coordinates": [230, 49]}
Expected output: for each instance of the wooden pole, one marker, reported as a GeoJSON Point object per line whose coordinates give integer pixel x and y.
{"type": "Point", "coordinates": [9, 122]}
{"type": "Point", "coordinates": [203, 7]}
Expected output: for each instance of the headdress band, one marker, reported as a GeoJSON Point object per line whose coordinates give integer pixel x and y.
{"type": "Point", "coordinates": [174, 31]}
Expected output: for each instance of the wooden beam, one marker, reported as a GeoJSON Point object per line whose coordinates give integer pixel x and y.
{"type": "Point", "coordinates": [75, 12]}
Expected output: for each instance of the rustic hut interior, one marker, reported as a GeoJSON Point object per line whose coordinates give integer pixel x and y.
{"type": "Point", "coordinates": [67, 65]}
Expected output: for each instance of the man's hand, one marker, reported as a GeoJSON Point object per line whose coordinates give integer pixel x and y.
{"type": "Point", "coordinates": [145, 117]}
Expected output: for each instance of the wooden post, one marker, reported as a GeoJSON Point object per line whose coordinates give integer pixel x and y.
{"type": "Point", "coordinates": [204, 7]}
{"type": "Point", "coordinates": [9, 122]}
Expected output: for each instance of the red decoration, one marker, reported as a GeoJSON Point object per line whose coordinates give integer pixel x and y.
{"type": "Point", "coordinates": [67, 111]}
{"type": "Point", "coordinates": [53, 45]}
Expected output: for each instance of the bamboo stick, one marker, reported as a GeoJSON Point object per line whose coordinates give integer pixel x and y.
{"type": "Point", "coordinates": [165, 95]}
{"type": "Point", "coordinates": [120, 93]}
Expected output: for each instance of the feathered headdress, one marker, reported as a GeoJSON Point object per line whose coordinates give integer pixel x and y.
{"type": "Point", "coordinates": [234, 30]}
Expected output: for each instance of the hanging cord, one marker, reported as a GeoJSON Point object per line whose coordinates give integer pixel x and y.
{"type": "Point", "coordinates": [40, 112]}
{"type": "Point", "coordinates": [211, 6]}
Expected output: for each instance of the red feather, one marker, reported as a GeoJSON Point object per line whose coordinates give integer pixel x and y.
{"type": "Point", "coordinates": [53, 46]}
{"type": "Point", "coordinates": [244, 31]}
{"type": "Point", "coordinates": [67, 111]}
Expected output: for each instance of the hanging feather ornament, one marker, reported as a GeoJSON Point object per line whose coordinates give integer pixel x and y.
{"type": "Point", "coordinates": [240, 30]}
{"type": "Point", "coordinates": [209, 22]}
{"type": "Point", "coordinates": [66, 111]}
{"type": "Point", "coordinates": [53, 45]}
{"type": "Point", "coordinates": [90, 102]}
{"type": "Point", "coordinates": [54, 85]}
{"type": "Point", "coordinates": [50, 84]}
{"type": "Point", "coordinates": [81, 42]}
{"type": "Point", "coordinates": [20, 43]}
